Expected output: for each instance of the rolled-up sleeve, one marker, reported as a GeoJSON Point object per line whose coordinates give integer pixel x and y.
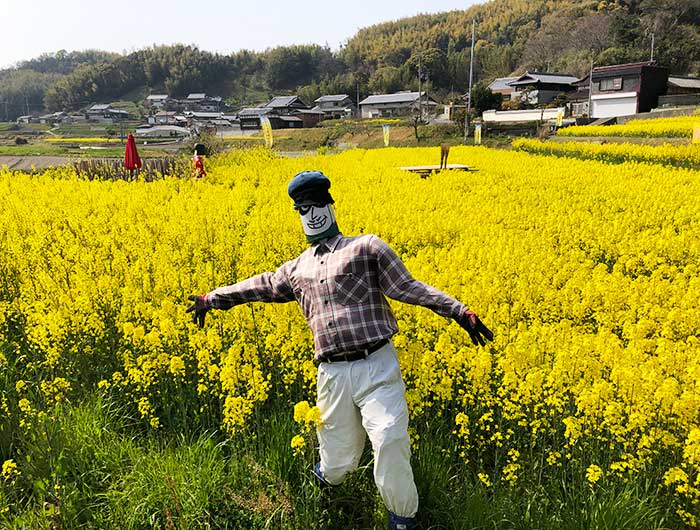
{"type": "Point", "coordinates": [266, 287]}
{"type": "Point", "coordinates": [397, 283]}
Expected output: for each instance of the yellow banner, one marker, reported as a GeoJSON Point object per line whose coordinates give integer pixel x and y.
{"type": "Point", "coordinates": [267, 131]}
{"type": "Point", "coordinates": [385, 129]}
{"type": "Point", "coordinates": [477, 134]}
{"type": "Point", "coordinates": [696, 133]}
{"type": "Point", "coordinates": [560, 118]}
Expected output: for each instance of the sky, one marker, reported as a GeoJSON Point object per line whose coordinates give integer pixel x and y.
{"type": "Point", "coordinates": [32, 27]}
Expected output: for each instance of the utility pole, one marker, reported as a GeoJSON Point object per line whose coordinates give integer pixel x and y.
{"type": "Point", "coordinates": [420, 90]}
{"type": "Point", "coordinates": [359, 113]}
{"type": "Point", "coordinates": [590, 91]}
{"type": "Point", "coordinates": [652, 48]}
{"type": "Point", "coordinates": [469, 95]}
{"type": "Point", "coordinates": [26, 104]}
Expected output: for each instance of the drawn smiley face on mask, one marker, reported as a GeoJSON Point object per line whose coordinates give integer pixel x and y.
{"type": "Point", "coordinates": [316, 219]}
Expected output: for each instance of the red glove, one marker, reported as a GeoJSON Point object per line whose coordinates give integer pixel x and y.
{"type": "Point", "coordinates": [478, 332]}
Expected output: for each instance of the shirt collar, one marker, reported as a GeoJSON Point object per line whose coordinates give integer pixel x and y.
{"type": "Point", "coordinates": [328, 245]}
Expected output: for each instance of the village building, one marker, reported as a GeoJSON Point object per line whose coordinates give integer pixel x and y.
{"type": "Point", "coordinates": [162, 131]}
{"type": "Point", "coordinates": [626, 89]}
{"type": "Point", "coordinates": [539, 88]}
{"type": "Point", "coordinates": [200, 102]}
{"type": "Point", "coordinates": [335, 106]}
{"type": "Point", "coordinates": [249, 117]}
{"type": "Point", "coordinates": [398, 104]}
{"type": "Point", "coordinates": [501, 86]}
{"type": "Point", "coordinates": [310, 117]}
{"type": "Point", "coordinates": [104, 113]}
{"type": "Point", "coordinates": [287, 105]}
{"type": "Point", "coordinates": [681, 91]}
{"type": "Point", "coordinates": [163, 118]}
{"type": "Point", "coordinates": [157, 101]}
{"type": "Point", "coordinates": [56, 117]}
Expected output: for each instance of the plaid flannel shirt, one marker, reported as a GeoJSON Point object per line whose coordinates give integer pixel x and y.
{"type": "Point", "coordinates": [340, 284]}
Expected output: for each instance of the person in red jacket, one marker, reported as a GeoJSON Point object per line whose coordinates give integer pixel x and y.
{"type": "Point", "coordinates": [198, 162]}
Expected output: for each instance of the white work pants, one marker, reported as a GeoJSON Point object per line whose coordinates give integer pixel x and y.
{"type": "Point", "coordinates": [367, 396]}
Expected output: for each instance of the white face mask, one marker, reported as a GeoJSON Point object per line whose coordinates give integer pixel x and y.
{"type": "Point", "coordinates": [316, 219]}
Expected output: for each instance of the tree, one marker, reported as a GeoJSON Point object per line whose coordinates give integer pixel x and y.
{"type": "Point", "coordinates": [483, 99]}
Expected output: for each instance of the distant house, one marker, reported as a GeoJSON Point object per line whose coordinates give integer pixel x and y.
{"type": "Point", "coordinates": [287, 105]}
{"type": "Point", "coordinates": [157, 100]}
{"type": "Point", "coordinates": [162, 131]}
{"type": "Point", "coordinates": [310, 117]}
{"type": "Point", "coordinates": [542, 87]}
{"type": "Point", "coordinates": [25, 119]}
{"type": "Point", "coordinates": [204, 116]}
{"type": "Point", "coordinates": [98, 110]}
{"type": "Point", "coordinates": [399, 104]}
{"type": "Point", "coordinates": [56, 117]}
{"type": "Point", "coordinates": [200, 102]}
{"type": "Point", "coordinates": [249, 118]}
{"type": "Point", "coordinates": [163, 118]}
{"type": "Point", "coordinates": [681, 91]}
{"type": "Point", "coordinates": [335, 106]}
{"type": "Point", "coordinates": [104, 113]}
{"type": "Point", "coordinates": [683, 85]}
{"type": "Point", "coordinates": [500, 86]}
{"type": "Point", "coordinates": [626, 89]}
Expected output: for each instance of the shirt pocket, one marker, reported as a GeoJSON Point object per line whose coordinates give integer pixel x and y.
{"type": "Point", "coordinates": [304, 295]}
{"type": "Point", "coordinates": [351, 289]}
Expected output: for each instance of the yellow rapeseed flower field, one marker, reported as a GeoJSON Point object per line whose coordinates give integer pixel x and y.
{"type": "Point", "coordinates": [667, 154]}
{"type": "Point", "coordinates": [681, 126]}
{"type": "Point", "coordinates": [588, 274]}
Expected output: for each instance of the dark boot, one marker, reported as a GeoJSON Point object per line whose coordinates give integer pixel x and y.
{"type": "Point", "coordinates": [320, 479]}
{"type": "Point", "coordinates": [396, 522]}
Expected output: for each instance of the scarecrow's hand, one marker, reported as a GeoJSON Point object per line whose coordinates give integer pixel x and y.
{"type": "Point", "coordinates": [478, 332]}
{"type": "Point", "coordinates": [198, 309]}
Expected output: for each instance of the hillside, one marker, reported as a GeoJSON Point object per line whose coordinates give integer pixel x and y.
{"type": "Point", "coordinates": [512, 36]}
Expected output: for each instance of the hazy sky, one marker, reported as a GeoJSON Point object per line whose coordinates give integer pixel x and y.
{"type": "Point", "coordinates": [31, 27]}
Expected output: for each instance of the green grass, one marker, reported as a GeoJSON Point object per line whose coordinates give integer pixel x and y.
{"type": "Point", "coordinates": [95, 468]}
{"type": "Point", "coordinates": [72, 152]}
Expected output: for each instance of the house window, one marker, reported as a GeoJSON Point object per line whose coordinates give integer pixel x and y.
{"type": "Point", "coordinates": [611, 84]}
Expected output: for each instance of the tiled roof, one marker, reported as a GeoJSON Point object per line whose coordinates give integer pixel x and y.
{"type": "Point", "coordinates": [399, 97]}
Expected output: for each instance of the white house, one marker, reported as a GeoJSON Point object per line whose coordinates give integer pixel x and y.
{"type": "Point", "coordinates": [399, 104]}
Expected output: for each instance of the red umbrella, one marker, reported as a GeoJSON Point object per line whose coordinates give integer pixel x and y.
{"type": "Point", "coordinates": [131, 155]}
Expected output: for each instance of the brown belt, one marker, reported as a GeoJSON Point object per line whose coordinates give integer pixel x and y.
{"type": "Point", "coordinates": [354, 355]}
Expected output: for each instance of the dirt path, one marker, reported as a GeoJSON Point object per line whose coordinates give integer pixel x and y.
{"type": "Point", "coordinates": [30, 163]}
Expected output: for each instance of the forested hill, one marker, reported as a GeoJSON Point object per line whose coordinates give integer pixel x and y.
{"type": "Point", "coordinates": [511, 36]}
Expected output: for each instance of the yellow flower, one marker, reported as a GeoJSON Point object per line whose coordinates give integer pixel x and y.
{"type": "Point", "coordinates": [485, 480]}
{"type": "Point", "coordinates": [301, 410]}
{"type": "Point", "coordinates": [25, 406]}
{"type": "Point", "coordinates": [593, 474]}
{"type": "Point", "coordinates": [177, 366]}
{"type": "Point", "coordinates": [10, 470]}
{"type": "Point", "coordinates": [313, 417]}
{"type": "Point", "coordinates": [298, 444]}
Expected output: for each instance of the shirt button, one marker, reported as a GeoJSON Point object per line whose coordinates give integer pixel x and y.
{"type": "Point", "coordinates": [322, 263]}
{"type": "Point", "coordinates": [325, 302]}
{"type": "Point", "coordinates": [330, 323]}
{"type": "Point", "coordinates": [323, 281]}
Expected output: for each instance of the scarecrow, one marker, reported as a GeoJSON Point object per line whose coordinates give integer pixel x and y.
{"type": "Point", "coordinates": [198, 161]}
{"type": "Point", "coordinates": [341, 284]}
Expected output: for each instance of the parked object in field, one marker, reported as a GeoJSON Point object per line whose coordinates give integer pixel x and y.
{"type": "Point", "coordinates": [444, 154]}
